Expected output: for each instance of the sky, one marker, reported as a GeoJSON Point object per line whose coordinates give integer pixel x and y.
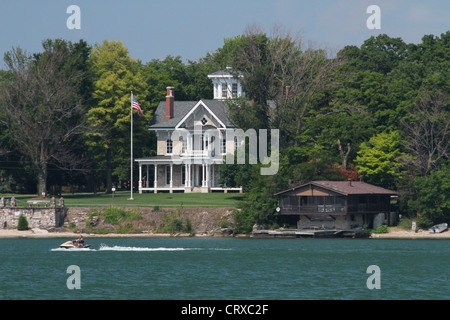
{"type": "Point", "coordinates": [154, 29]}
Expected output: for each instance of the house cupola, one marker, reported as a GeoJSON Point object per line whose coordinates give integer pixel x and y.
{"type": "Point", "coordinates": [226, 84]}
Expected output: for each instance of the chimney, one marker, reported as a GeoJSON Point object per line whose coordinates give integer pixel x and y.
{"type": "Point", "coordinates": [170, 97]}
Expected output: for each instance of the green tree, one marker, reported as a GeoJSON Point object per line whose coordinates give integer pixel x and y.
{"type": "Point", "coordinates": [259, 203]}
{"type": "Point", "coordinates": [432, 199]}
{"type": "Point", "coordinates": [42, 105]}
{"type": "Point", "coordinates": [379, 159]}
{"type": "Point", "coordinates": [116, 75]}
{"type": "Point", "coordinates": [22, 225]}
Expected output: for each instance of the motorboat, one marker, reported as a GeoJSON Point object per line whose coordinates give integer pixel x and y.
{"type": "Point", "coordinates": [438, 228]}
{"type": "Point", "coordinates": [74, 244]}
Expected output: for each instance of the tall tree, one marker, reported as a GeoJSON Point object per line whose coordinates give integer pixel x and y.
{"type": "Point", "coordinates": [116, 75]}
{"type": "Point", "coordinates": [427, 130]}
{"type": "Point", "coordinates": [42, 106]}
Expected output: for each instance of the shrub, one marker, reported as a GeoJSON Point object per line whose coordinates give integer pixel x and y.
{"type": "Point", "coordinates": [174, 223]}
{"type": "Point", "coordinates": [115, 216]}
{"type": "Point", "coordinates": [23, 223]}
{"type": "Point", "coordinates": [381, 229]}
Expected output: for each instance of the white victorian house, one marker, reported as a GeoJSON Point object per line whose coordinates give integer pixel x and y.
{"type": "Point", "coordinates": [191, 141]}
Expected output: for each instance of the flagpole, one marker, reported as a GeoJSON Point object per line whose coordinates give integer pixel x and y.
{"type": "Point", "coordinates": [131, 162]}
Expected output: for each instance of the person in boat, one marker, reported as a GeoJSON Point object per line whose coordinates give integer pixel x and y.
{"type": "Point", "coordinates": [79, 242]}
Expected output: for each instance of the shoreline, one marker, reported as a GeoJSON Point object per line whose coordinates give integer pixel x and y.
{"type": "Point", "coordinates": [394, 233]}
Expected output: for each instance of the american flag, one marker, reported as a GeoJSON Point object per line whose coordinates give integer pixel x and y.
{"type": "Point", "coordinates": [135, 105]}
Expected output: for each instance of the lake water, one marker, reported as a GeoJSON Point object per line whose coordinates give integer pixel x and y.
{"type": "Point", "coordinates": [225, 269]}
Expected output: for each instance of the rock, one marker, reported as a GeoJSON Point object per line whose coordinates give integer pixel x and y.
{"type": "Point", "coordinates": [222, 232]}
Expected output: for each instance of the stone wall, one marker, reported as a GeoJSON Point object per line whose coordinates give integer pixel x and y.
{"type": "Point", "coordinates": [43, 218]}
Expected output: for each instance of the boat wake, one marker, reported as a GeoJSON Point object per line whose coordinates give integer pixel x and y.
{"type": "Point", "coordinates": [121, 248]}
{"type": "Point", "coordinates": [104, 247]}
{"type": "Point", "coordinates": [73, 249]}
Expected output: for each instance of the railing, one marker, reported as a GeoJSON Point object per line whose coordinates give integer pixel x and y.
{"type": "Point", "coordinates": [315, 208]}
{"type": "Point", "coordinates": [201, 153]}
{"type": "Point", "coordinates": [334, 208]}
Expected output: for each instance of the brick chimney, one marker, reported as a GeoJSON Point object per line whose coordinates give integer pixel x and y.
{"type": "Point", "coordinates": [170, 97]}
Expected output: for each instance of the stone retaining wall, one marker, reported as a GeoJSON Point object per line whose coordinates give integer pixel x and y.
{"type": "Point", "coordinates": [43, 218]}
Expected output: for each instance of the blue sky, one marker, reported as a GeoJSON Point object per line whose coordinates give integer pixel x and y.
{"type": "Point", "coordinates": [191, 28]}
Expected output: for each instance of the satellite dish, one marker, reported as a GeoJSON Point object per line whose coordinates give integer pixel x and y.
{"type": "Point", "coordinates": [278, 209]}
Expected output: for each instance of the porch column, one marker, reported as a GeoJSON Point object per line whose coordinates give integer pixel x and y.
{"type": "Point", "coordinates": [190, 175]}
{"type": "Point", "coordinates": [171, 176]}
{"type": "Point", "coordinates": [203, 175]}
{"type": "Point", "coordinates": [156, 178]}
{"type": "Point", "coordinates": [147, 182]}
{"type": "Point", "coordinates": [140, 178]}
{"type": "Point", "coordinates": [208, 172]}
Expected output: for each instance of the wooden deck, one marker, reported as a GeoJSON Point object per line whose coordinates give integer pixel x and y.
{"type": "Point", "coordinates": [310, 233]}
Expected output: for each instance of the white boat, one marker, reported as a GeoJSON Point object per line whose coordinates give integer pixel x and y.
{"type": "Point", "coordinates": [438, 228]}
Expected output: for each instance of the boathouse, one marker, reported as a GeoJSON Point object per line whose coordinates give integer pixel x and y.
{"type": "Point", "coordinates": [342, 205]}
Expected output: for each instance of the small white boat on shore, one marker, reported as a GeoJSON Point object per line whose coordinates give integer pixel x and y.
{"type": "Point", "coordinates": [438, 228]}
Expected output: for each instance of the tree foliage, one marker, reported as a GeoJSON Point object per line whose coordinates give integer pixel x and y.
{"type": "Point", "coordinates": [116, 76]}
{"type": "Point", "coordinates": [379, 112]}
{"type": "Point", "coordinates": [42, 104]}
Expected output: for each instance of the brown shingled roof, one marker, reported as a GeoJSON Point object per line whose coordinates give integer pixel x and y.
{"type": "Point", "coordinates": [347, 187]}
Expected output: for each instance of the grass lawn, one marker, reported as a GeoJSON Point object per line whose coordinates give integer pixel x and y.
{"type": "Point", "coordinates": [140, 200]}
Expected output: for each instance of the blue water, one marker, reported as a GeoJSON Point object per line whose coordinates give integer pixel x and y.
{"type": "Point", "coordinates": [225, 269]}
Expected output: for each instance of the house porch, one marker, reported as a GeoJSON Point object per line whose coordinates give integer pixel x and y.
{"type": "Point", "coordinates": [163, 175]}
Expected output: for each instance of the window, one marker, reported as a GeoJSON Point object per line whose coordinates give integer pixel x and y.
{"type": "Point", "coordinates": [167, 174]}
{"type": "Point", "coordinates": [183, 145]}
{"type": "Point", "coordinates": [204, 142]}
{"type": "Point", "coordinates": [234, 90]}
{"type": "Point", "coordinates": [224, 90]}
{"type": "Point", "coordinates": [183, 175]}
{"type": "Point", "coordinates": [169, 146]}
{"type": "Point", "coordinates": [223, 146]}
{"type": "Point", "coordinates": [213, 146]}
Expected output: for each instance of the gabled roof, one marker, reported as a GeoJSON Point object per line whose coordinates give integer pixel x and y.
{"type": "Point", "coordinates": [202, 104]}
{"type": "Point", "coordinates": [182, 108]}
{"type": "Point", "coordinates": [346, 187]}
